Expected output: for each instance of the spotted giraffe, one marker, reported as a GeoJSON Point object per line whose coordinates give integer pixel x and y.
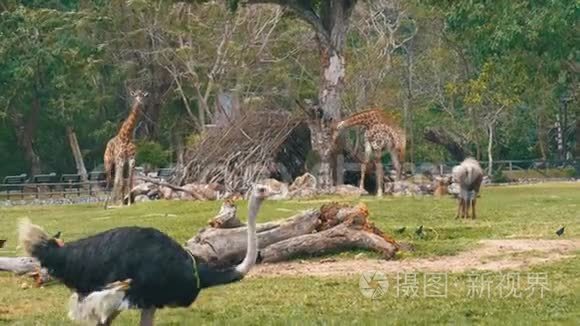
{"type": "Point", "coordinates": [121, 151]}
{"type": "Point", "coordinates": [381, 133]}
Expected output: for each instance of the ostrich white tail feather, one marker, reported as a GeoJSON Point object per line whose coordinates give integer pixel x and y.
{"type": "Point", "coordinates": [97, 307]}
{"type": "Point", "coordinates": [30, 235]}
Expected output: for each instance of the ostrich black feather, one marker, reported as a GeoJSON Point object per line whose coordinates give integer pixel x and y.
{"type": "Point", "coordinates": [162, 271]}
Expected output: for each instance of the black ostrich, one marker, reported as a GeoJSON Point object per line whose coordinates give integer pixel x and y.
{"type": "Point", "coordinates": [132, 267]}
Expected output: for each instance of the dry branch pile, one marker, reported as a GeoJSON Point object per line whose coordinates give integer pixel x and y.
{"type": "Point", "coordinates": [251, 148]}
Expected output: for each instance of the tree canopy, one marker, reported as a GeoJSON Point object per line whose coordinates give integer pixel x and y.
{"type": "Point", "coordinates": [486, 72]}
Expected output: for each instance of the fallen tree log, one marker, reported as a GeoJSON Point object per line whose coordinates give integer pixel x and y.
{"type": "Point", "coordinates": [333, 227]}
{"type": "Point", "coordinates": [19, 265]}
{"type": "Point", "coordinates": [25, 266]}
{"type": "Point", "coordinates": [173, 187]}
{"type": "Point", "coordinates": [342, 237]}
{"type": "Point", "coordinates": [225, 247]}
{"type": "Point", "coordinates": [226, 217]}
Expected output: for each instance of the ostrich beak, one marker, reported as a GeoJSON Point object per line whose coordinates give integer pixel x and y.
{"type": "Point", "coordinates": [125, 285]}
{"type": "Point", "coordinates": [120, 285]}
{"type": "Point", "coordinates": [59, 242]}
{"type": "Point", "coordinates": [263, 192]}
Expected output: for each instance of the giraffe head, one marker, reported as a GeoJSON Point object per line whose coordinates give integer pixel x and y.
{"type": "Point", "coordinates": [138, 96]}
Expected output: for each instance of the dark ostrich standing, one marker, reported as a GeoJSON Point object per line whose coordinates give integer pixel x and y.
{"type": "Point", "coordinates": [132, 267]}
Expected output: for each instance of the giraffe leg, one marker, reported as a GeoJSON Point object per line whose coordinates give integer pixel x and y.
{"type": "Point", "coordinates": [363, 168]}
{"type": "Point", "coordinates": [396, 164]}
{"type": "Point", "coordinates": [379, 174]}
{"type": "Point", "coordinates": [459, 211]}
{"type": "Point", "coordinates": [118, 184]}
{"type": "Point", "coordinates": [473, 207]}
{"type": "Point", "coordinates": [130, 179]}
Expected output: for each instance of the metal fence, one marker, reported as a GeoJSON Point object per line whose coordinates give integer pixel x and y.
{"type": "Point", "coordinates": [52, 186]}
{"type": "Point", "coordinates": [500, 165]}
{"type": "Point", "coordinates": [51, 190]}
{"type": "Point", "coordinates": [47, 186]}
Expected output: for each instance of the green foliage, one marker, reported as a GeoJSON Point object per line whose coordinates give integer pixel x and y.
{"type": "Point", "coordinates": [470, 58]}
{"type": "Point", "coordinates": [152, 154]}
{"type": "Point", "coordinates": [499, 177]}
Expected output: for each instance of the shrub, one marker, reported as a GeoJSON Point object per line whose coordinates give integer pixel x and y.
{"type": "Point", "coordinates": [152, 154]}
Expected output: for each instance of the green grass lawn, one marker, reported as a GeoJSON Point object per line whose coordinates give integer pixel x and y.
{"type": "Point", "coordinates": [534, 211]}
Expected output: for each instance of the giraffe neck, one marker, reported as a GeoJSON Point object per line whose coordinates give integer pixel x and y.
{"type": "Point", "coordinates": [126, 132]}
{"type": "Point", "coordinates": [366, 118]}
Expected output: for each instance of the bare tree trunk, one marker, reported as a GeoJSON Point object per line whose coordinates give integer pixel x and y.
{"type": "Point", "coordinates": [541, 131]}
{"type": "Point", "coordinates": [490, 148]}
{"type": "Point", "coordinates": [577, 149]}
{"type": "Point", "coordinates": [25, 131]}
{"type": "Point", "coordinates": [560, 137]}
{"type": "Point", "coordinates": [475, 129]}
{"type": "Point", "coordinates": [76, 150]}
{"type": "Point", "coordinates": [407, 103]}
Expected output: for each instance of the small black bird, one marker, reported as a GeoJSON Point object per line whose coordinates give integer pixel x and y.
{"type": "Point", "coordinates": [57, 235]}
{"type": "Point", "coordinates": [419, 231]}
{"type": "Point", "coordinates": [401, 230]}
{"type": "Point", "coordinates": [2, 242]}
{"type": "Point", "coordinates": [560, 231]}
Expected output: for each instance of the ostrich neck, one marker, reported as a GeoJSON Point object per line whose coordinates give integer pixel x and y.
{"type": "Point", "coordinates": [252, 251]}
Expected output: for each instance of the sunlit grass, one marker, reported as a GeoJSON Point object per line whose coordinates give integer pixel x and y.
{"type": "Point", "coordinates": [534, 211]}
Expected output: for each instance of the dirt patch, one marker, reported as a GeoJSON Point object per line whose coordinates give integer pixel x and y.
{"type": "Point", "coordinates": [492, 255]}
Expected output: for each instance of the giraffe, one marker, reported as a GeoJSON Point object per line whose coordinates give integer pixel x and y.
{"type": "Point", "coordinates": [381, 133]}
{"type": "Point", "coordinates": [121, 150]}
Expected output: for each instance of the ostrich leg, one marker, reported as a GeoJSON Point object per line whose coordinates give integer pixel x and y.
{"type": "Point", "coordinates": [110, 319]}
{"type": "Point", "coordinates": [147, 317]}
{"type": "Point", "coordinates": [473, 208]}
{"type": "Point", "coordinates": [459, 210]}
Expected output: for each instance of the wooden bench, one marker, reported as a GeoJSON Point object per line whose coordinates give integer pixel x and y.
{"type": "Point", "coordinates": [98, 178]}
{"type": "Point", "coordinates": [165, 174]}
{"type": "Point", "coordinates": [47, 180]}
{"type": "Point", "coordinates": [71, 181]}
{"type": "Point", "coordinates": [14, 182]}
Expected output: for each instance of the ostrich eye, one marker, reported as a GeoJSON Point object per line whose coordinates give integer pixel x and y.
{"type": "Point", "coordinates": [261, 190]}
